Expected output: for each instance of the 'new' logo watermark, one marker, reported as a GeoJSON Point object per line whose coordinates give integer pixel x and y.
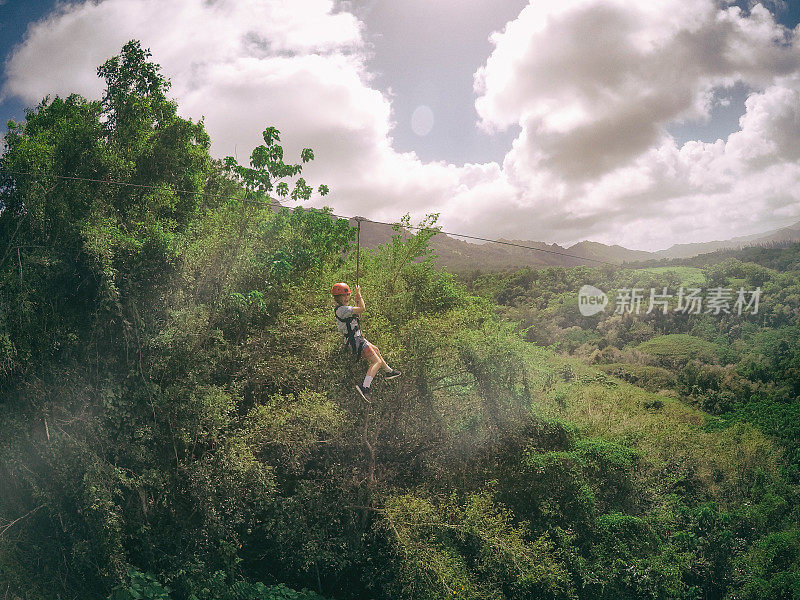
{"type": "Point", "coordinates": [591, 300]}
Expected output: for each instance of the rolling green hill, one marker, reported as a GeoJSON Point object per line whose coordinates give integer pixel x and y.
{"type": "Point", "coordinates": [679, 348]}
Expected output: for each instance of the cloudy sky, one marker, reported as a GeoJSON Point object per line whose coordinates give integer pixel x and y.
{"type": "Point", "coordinates": [620, 121]}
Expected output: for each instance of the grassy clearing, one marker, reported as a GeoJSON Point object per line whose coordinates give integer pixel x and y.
{"type": "Point", "coordinates": [671, 436]}
{"type": "Point", "coordinates": [680, 348]}
{"type": "Point", "coordinates": [652, 379]}
{"type": "Point", "coordinates": [685, 276]}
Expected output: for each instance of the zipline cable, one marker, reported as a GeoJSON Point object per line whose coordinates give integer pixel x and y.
{"type": "Point", "coordinates": [358, 244]}
{"type": "Point", "coordinates": [502, 242]}
{"type": "Point", "coordinates": [358, 220]}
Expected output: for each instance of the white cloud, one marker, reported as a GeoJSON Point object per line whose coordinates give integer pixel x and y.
{"type": "Point", "coordinates": [592, 83]}
{"type": "Point", "coordinates": [61, 53]}
{"type": "Point", "coordinates": [595, 83]}
{"type": "Point", "coordinates": [244, 65]}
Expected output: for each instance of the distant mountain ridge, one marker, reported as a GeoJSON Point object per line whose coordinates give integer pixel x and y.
{"type": "Point", "coordinates": [784, 234]}
{"type": "Point", "coordinates": [459, 255]}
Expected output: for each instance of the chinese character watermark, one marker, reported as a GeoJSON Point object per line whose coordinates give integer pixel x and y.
{"type": "Point", "coordinates": [690, 301]}
{"type": "Point", "coordinates": [629, 300]}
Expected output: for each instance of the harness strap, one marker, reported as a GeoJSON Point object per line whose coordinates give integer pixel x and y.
{"type": "Point", "coordinates": [350, 337]}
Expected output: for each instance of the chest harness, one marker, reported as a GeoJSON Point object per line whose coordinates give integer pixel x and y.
{"type": "Point", "coordinates": [353, 339]}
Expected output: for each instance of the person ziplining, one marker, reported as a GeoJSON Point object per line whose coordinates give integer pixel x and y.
{"type": "Point", "coordinates": [350, 326]}
{"type": "Point", "coordinates": [354, 340]}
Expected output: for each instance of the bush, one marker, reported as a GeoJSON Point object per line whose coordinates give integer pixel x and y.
{"type": "Point", "coordinates": [145, 586]}
{"type": "Point", "coordinates": [652, 379]}
{"type": "Point", "coordinates": [675, 350]}
{"type": "Point", "coordinates": [770, 569]}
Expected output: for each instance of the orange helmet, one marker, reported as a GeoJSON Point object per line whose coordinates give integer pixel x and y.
{"type": "Point", "coordinates": [340, 289]}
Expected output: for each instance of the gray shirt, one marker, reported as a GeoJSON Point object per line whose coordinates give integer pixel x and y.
{"type": "Point", "coordinates": [344, 312]}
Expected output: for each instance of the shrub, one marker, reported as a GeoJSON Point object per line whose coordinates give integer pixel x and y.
{"type": "Point", "coordinates": [675, 350]}
{"type": "Point", "coordinates": [652, 379]}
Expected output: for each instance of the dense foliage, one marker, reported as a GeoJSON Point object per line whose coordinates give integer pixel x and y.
{"type": "Point", "coordinates": [740, 367]}
{"type": "Point", "coordinates": [180, 422]}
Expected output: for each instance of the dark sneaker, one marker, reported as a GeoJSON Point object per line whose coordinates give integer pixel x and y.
{"type": "Point", "coordinates": [392, 374]}
{"type": "Point", "coordinates": [365, 393]}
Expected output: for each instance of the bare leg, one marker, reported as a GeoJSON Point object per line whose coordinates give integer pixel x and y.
{"type": "Point", "coordinates": [383, 364]}
{"type": "Point", "coordinates": [375, 362]}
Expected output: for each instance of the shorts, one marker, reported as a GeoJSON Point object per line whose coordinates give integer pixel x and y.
{"type": "Point", "coordinates": [367, 349]}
